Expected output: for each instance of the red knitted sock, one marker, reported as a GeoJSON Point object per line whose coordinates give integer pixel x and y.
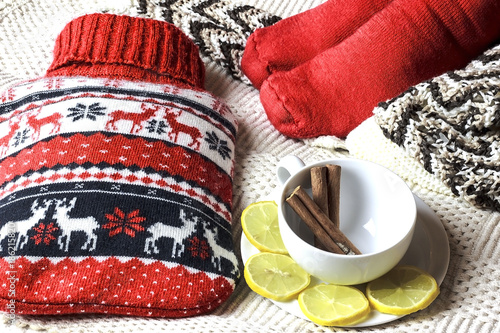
{"type": "Point", "coordinates": [405, 43]}
{"type": "Point", "coordinates": [295, 40]}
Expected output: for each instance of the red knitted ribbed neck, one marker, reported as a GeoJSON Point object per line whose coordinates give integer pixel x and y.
{"type": "Point", "coordinates": [107, 45]}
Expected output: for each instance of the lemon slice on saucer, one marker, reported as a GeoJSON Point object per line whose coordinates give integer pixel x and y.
{"type": "Point", "coordinates": [275, 276]}
{"type": "Point", "coordinates": [259, 222]}
{"type": "Point", "coordinates": [334, 305]}
{"type": "Point", "coordinates": [404, 290]}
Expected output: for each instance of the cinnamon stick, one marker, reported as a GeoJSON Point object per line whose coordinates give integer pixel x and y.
{"type": "Point", "coordinates": [325, 181]}
{"type": "Point", "coordinates": [320, 194]}
{"type": "Point", "coordinates": [333, 181]}
{"type": "Point", "coordinates": [304, 213]}
{"type": "Point", "coordinates": [319, 184]}
{"type": "Point", "coordinates": [319, 222]}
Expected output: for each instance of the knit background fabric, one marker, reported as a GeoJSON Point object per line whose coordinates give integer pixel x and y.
{"type": "Point", "coordinates": [469, 293]}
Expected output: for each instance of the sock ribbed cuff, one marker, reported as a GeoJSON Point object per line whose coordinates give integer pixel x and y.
{"type": "Point", "coordinates": [107, 45]}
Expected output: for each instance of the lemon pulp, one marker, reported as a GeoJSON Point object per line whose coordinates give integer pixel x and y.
{"type": "Point", "coordinates": [275, 276]}
{"type": "Point", "coordinates": [334, 305]}
{"type": "Point", "coordinates": [259, 222]}
{"type": "Point", "coordinates": [404, 290]}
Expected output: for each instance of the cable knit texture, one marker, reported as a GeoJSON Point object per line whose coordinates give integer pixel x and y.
{"type": "Point", "coordinates": [106, 45]}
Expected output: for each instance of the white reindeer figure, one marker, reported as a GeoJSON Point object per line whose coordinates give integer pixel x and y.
{"type": "Point", "coordinates": [178, 234]}
{"type": "Point", "coordinates": [22, 227]}
{"type": "Point", "coordinates": [218, 251]}
{"type": "Point", "coordinates": [68, 225]}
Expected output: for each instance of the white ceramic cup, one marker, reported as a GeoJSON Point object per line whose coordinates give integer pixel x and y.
{"type": "Point", "coordinates": [377, 214]}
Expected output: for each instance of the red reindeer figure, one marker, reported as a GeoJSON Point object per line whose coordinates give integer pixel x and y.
{"type": "Point", "coordinates": [4, 141]}
{"type": "Point", "coordinates": [7, 95]}
{"type": "Point", "coordinates": [174, 90]}
{"type": "Point", "coordinates": [220, 107]}
{"type": "Point", "coordinates": [177, 127]}
{"type": "Point", "coordinates": [36, 123]}
{"type": "Point", "coordinates": [136, 118]}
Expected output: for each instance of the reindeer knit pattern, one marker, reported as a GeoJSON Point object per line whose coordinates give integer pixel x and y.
{"type": "Point", "coordinates": [116, 193]}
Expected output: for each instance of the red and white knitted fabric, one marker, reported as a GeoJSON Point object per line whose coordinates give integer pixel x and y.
{"type": "Point", "coordinates": [116, 176]}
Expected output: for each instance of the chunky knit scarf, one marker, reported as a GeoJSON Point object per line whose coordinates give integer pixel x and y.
{"type": "Point", "coordinates": [451, 125]}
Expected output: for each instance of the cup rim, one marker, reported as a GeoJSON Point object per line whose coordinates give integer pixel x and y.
{"type": "Point", "coordinates": [282, 221]}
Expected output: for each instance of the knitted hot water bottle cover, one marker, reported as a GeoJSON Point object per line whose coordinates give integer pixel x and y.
{"type": "Point", "coordinates": [116, 178]}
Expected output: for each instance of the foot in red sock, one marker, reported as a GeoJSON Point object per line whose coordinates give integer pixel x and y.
{"type": "Point", "coordinates": [407, 42]}
{"type": "Point", "coordinates": [299, 38]}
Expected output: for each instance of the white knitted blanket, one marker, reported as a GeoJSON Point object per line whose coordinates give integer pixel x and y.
{"type": "Point", "coordinates": [470, 291]}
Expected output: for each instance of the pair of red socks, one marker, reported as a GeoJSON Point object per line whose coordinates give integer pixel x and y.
{"type": "Point", "coordinates": [322, 72]}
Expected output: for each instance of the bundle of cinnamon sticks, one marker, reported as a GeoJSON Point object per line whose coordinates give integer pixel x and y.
{"type": "Point", "coordinates": [321, 212]}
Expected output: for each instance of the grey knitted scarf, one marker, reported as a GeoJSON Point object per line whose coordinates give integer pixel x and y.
{"type": "Point", "coordinates": [451, 125]}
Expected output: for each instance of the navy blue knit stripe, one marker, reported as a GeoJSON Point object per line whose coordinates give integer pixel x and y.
{"type": "Point", "coordinates": [97, 202]}
{"type": "Point", "coordinates": [120, 167]}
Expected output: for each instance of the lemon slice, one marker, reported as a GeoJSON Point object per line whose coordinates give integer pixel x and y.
{"type": "Point", "coordinates": [334, 305]}
{"type": "Point", "coordinates": [275, 276]}
{"type": "Point", "coordinates": [259, 222]}
{"type": "Point", "coordinates": [404, 290]}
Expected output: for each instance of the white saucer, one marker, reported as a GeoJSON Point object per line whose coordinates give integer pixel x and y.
{"type": "Point", "coordinates": [428, 250]}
